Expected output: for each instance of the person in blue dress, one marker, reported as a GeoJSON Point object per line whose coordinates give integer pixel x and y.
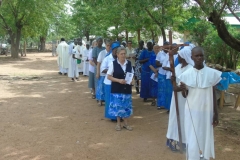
{"type": "Point", "coordinates": [164, 85]}
{"type": "Point", "coordinates": [146, 71]}
{"type": "Point", "coordinates": [107, 61]}
{"type": "Point", "coordinates": [154, 70]}
{"type": "Point", "coordinates": [121, 91]}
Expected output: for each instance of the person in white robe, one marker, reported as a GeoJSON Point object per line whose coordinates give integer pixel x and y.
{"type": "Point", "coordinates": [186, 62]}
{"type": "Point", "coordinates": [201, 114]}
{"type": "Point", "coordinates": [79, 56]}
{"type": "Point", "coordinates": [86, 60]}
{"type": "Point", "coordinates": [63, 57]}
{"type": "Point", "coordinates": [73, 68]}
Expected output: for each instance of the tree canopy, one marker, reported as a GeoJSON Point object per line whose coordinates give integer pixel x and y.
{"type": "Point", "coordinates": [114, 19]}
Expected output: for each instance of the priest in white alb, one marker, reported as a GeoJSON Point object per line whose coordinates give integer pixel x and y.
{"type": "Point", "coordinates": [86, 60]}
{"type": "Point", "coordinates": [73, 67]}
{"type": "Point", "coordinates": [63, 57]}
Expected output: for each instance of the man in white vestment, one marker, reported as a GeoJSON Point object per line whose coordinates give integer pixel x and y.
{"type": "Point", "coordinates": [86, 60]}
{"type": "Point", "coordinates": [73, 68]}
{"type": "Point", "coordinates": [63, 57]}
{"type": "Point", "coordinates": [201, 113]}
{"type": "Point", "coordinates": [80, 55]}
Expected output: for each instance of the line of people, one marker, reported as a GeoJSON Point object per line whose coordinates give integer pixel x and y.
{"type": "Point", "coordinates": [73, 59]}
{"type": "Point", "coordinates": [196, 99]}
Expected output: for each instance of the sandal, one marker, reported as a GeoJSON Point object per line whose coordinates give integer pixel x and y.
{"type": "Point", "coordinates": [118, 128]}
{"type": "Point", "coordinates": [93, 96]}
{"type": "Point", "coordinates": [99, 103]}
{"type": "Point", "coordinates": [153, 103]}
{"type": "Point", "coordinates": [172, 145]}
{"type": "Point", "coordinates": [127, 127]}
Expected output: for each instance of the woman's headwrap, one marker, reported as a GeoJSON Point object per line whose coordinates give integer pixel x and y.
{"type": "Point", "coordinates": [115, 45]}
{"type": "Point", "coordinates": [186, 54]}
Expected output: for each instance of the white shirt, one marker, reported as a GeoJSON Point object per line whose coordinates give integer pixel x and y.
{"type": "Point", "coordinates": [123, 66]}
{"type": "Point", "coordinates": [101, 56]}
{"type": "Point", "coordinates": [105, 65]}
{"type": "Point", "coordinates": [161, 56]}
{"type": "Point", "coordinates": [130, 52]}
{"type": "Point", "coordinates": [86, 54]}
{"type": "Point", "coordinates": [91, 68]}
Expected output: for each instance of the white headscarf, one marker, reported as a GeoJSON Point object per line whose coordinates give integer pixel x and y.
{"type": "Point", "coordinates": [186, 54]}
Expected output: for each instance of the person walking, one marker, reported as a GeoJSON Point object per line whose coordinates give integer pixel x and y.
{"type": "Point", "coordinates": [121, 92]}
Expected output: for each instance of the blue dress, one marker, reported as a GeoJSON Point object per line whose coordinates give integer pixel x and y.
{"type": "Point", "coordinates": [164, 92]}
{"type": "Point", "coordinates": [107, 89]}
{"type": "Point", "coordinates": [153, 84]}
{"type": "Point", "coordinates": [120, 105]}
{"type": "Point", "coordinates": [100, 89]}
{"type": "Point", "coordinates": [145, 74]}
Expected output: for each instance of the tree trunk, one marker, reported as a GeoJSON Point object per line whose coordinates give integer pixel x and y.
{"type": "Point", "coordinates": [153, 36]}
{"type": "Point", "coordinates": [15, 41]}
{"type": "Point", "coordinates": [139, 36]}
{"type": "Point", "coordinates": [25, 48]}
{"type": "Point", "coordinates": [42, 43]}
{"type": "Point", "coordinates": [87, 35]}
{"type": "Point", "coordinates": [126, 35]}
{"type": "Point", "coordinates": [163, 34]}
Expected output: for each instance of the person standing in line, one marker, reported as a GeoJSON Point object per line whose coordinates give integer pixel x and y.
{"type": "Point", "coordinates": [81, 50]}
{"type": "Point", "coordinates": [164, 93]}
{"type": "Point", "coordinates": [63, 57]}
{"type": "Point", "coordinates": [138, 66]}
{"type": "Point", "coordinates": [73, 68]}
{"type": "Point", "coordinates": [201, 111]}
{"type": "Point", "coordinates": [100, 76]}
{"type": "Point", "coordinates": [95, 54]}
{"type": "Point", "coordinates": [186, 62]}
{"type": "Point", "coordinates": [121, 93]}
{"type": "Point", "coordinates": [107, 83]}
{"type": "Point", "coordinates": [91, 78]}
{"type": "Point", "coordinates": [154, 70]}
{"type": "Point", "coordinates": [85, 60]}
{"type": "Point", "coordinates": [145, 71]}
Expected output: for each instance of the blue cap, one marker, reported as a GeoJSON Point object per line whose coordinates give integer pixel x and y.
{"type": "Point", "coordinates": [115, 45]}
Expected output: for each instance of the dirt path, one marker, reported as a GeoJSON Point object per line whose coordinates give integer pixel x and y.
{"type": "Point", "coordinates": [44, 116]}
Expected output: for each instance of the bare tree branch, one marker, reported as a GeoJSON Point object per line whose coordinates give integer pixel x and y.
{"type": "Point", "coordinates": [234, 14]}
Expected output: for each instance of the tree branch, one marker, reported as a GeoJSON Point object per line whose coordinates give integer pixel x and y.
{"type": "Point", "coordinates": [153, 18]}
{"type": "Point", "coordinates": [224, 5]}
{"type": "Point", "coordinates": [5, 23]}
{"type": "Point", "coordinates": [234, 14]}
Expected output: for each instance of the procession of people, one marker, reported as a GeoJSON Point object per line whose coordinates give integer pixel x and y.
{"type": "Point", "coordinates": [114, 70]}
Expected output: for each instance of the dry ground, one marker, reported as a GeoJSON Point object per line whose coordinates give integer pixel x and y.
{"type": "Point", "coordinates": [44, 116]}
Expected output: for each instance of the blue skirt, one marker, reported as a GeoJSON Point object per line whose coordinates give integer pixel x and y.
{"type": "Point", "coordinates": [107, 89]}
{"type": "Point", "coordinates": [164, 92]}
{"type": "Point", "coordinates": [154, 88]}
{"type": "Point", "coordinates": [100, 89]}
{"type": "Point", "coordinates": [145, 85]}
{"type": "Point", "coordinates": [120, 105]}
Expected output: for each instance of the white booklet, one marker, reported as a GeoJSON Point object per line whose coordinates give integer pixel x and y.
{"type": "Point", "coordinates": [129, 77]}
{"type": "Point", "coordinates": [154, 78]}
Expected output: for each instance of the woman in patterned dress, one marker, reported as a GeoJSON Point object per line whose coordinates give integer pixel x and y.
{"type": "Point", "coordinates": [137, 72]}
{"type": "Point", "coordinates": [121, 92]}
